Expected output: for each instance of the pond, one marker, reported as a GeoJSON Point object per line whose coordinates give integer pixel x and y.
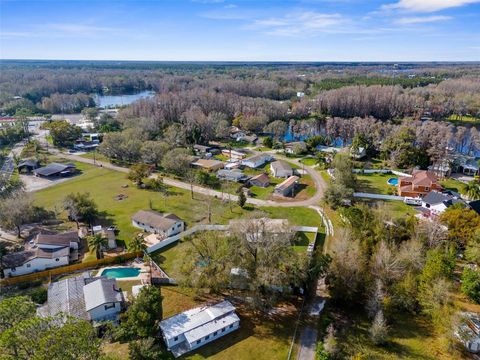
{"type": "Point", "coordinates": [110, 101]}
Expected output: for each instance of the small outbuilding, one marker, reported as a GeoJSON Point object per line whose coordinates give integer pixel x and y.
{"type": "Point", "coordinates": [28, 165]}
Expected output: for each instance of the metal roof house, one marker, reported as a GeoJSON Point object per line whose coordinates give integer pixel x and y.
{"type": "Point", "coordinates": [257, 160]}
{"type": "Point", "coordinates": [287, 187]}
{"type": "Point", "coordinates": [194, 328]}
{"type": "Point", "coordinates": [55, 169]}
{"type": "Point", "coordinates": [92, 299]}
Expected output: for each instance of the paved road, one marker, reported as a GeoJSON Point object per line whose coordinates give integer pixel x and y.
{"type": "Point", "coordinates": [318, 180]}
{"type": "Point", "coordinates": [308, 342]}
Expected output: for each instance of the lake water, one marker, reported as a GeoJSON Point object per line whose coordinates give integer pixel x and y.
{"type": "Point", "coordinates": [109, 101]}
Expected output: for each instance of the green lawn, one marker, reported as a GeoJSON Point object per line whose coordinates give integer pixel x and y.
{"type": "Point", "coordinates": [309, 161]}
{"type": "Point", "coordinates": [452, 184]}
{"type": "Point", "coordinates": [98, 156]}
{"type": "Point", "coordinates": [104, 185]}
{"type": "Point", "coordinates": [375, 183]}
{"type": "Point", "coordinates": [467, 119]}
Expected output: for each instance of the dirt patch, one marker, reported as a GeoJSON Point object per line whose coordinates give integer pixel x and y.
{"type": "Point", "coordinates": [120, 197]}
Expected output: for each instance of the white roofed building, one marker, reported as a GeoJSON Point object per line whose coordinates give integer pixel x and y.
{"type": "Point", "coordinates": [194, 328]}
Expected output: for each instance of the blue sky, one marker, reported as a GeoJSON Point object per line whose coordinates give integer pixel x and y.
{"type": "Point", "coordinates": [229, 30]}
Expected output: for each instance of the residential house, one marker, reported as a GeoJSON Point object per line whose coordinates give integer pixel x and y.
{"type": "Point", "coordinates": [419, 184]}
{"type": "Point", "coordinates": [165, 225]}
{"type": "Point", "coordinates": [296, 147]}
{"type": "Point", "coordinates": [359, 153]}
{"type": "Point", "coordinates": [281, 169]}
{"type": "Point", "coordinates": [28, 165]}
{"type": "Point", "coordinates": [46, 251]}
{"type": "Point", "coordinates": [234, 154]}
{"type": "Point", "coordinates": [437, 202]}
{"type": "Point", "coordinates": [257, 160]}
{"type": "Point", "coordinates": [194, 328]}
{"type": "Point", "coordinates": [441, 169]}
{"type": "Point", "coordinates": [300, 94]}
{"type": "Point", "coordinates": [204, 150]}
{"type": "Point", "coordinates": [83, 145]}
{"type": "Point", "coordinates": [260, 180]}
{"type": "Point", "coordinates": [208, 164]}
{"type": "Point", "coordinates": [287, 187]}
{"type": "Point", "coordinates": [55, 169]}
{"type": "Point", "coordinates": [235, 175]}
{"type": "Point", "coordinates": [107, 233]}
{"type": "Point", "coordinates": [95, 299]}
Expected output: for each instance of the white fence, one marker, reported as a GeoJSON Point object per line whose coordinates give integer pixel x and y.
{"type": "Point", "coordinates": [380, 171]}
{"type": "Point", "coordinates": [192, 230]}
{"type": "Point", "coordinates": [211, 227]}
{"type": "Point", "coordinates": [378, 196]}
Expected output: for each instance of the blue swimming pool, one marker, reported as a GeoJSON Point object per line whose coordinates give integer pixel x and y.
{"type": "Point", "coordinates": [121, 272]}
{"type": "Point", "coordinates": [393, 181]}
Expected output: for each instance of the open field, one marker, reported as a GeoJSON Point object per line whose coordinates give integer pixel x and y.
{"type": "Point", "coordinates": [104, 185]}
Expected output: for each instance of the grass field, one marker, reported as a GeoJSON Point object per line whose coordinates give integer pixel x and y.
{"type": "Point", "coordinates": [104, 185]}
{"type": "Point", "coordinates": [467, 119]}
{"type": "Point", "coordinates": [375, 183]}
{"type": "Point", "coordinates": [309, 161]}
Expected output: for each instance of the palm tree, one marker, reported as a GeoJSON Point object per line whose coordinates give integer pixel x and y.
{"type": "Point", "coordinates": [136, 245]}
{"type": "Point", "coordinates": [472, 190]}
{"type": "Point", "coordinates": [97, 242]}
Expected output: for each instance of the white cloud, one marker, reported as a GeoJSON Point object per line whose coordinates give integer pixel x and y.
{"type": "Point", "coordinates": [230, 6]}
{"type": "Point", "coordinates": [302, 23]}
{"type": "Point", "coordinates": [421, 19]}
{"type": "Point", "coordinates": [82, 29]}
{"type": "Point", "coordinates": [427, 5]}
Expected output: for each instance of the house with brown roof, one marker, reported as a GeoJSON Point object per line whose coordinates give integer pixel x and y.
{"type": "Point", "coordinates": [165, 225]}
{"type": "Point", "coordinates": [261, 180]}
{"type": "Point", "coordinates": [419, 184]}
{"type": "Point", "coordinates": [287, 187]}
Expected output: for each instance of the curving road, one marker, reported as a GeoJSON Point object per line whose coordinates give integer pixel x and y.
{"type": "Point", "coordinates": [314, 200]}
